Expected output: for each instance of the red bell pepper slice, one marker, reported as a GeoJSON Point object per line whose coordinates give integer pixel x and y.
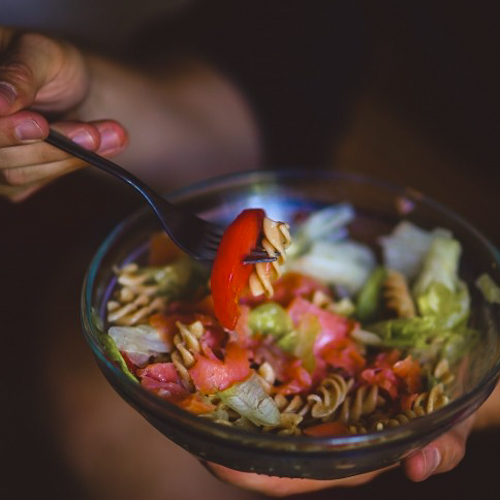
{"type": "Point", "coordinates": [229, 274]}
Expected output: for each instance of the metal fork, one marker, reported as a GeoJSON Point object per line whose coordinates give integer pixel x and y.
{"type": "Point", "coordinates": [194, 235]}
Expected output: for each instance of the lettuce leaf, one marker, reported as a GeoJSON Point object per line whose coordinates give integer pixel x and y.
{"type": "Point", "coordinates": [440, 265]}
{"type": "Point", "coordinates": [327, 223]}
{"type": "Point", "coordinates": [448, 308]}
{"type": "Point", "coordinates": [270, 319]}
{"type": "Point", "coordinates": [345, 263]}
{"type": "Point", "coordinates": [139, 342]}
{"type": "Point", "coordinates": [109, 346]}
{"type": "Point", "coordinates": [404, 249]}
{"type": "Point", "coordinates": [404, 333]}
{"type": "Point", "coordinates": [249, 399]}
{"type": "Point", "coordinates": [300, 341]}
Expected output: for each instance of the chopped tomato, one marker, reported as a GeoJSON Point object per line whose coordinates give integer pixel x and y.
{"type": "Point", "coordinates": [286, 288]}
{"type": "Point", "coordinates": [333, 326]}
{"type": "Point", "coordinates": [344, 354]}
{"type": "Point", "coordinates": [297, 378]}
{"type": "Point", "coordinates": [327, 429]}
{"type": "Point", "coordinates": [163, 372]}
{"type": "Point", "coordinates": [242, 330]}
{"type": "Point", "coordinates": [210, 374]}
{"type": "Point", "coordinates": [196, 404]}
{"type": "Point", "coordinates": [410, 371]}
{"type": "Point", "coordinates": [166, 324]}
{"type": "Point", "coordinates": [163, 379]}
{"type": "Point", "coordinates": [407, 401]}
{"type": "Point", "coordinates": [383, 373]}
{"type": "Point", "coordinates": [229, 274]}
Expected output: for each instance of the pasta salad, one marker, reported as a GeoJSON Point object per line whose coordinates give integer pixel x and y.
{"type": "Point", "coordinates": [334, 337]}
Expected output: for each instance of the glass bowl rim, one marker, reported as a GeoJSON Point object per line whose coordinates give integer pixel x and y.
{"type": "Point", "coordinates": [179, 417]}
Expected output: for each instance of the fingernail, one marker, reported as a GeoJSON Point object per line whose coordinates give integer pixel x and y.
{"type": "Point", "coordinates": [432, 460]}
{"type": "Point", "coordinates": [28, 130]}
{"type": "Point", "coordinates": [110, 141]}
{"type": "Point", "coordinates": [84, 139]}
{"type": "Point", "coordinates": [8, 92]}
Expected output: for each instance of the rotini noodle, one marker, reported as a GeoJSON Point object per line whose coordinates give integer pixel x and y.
{"type": "Point", "coordinates": [330, 394]}
{"type": "Point", "coordinates": [276, 239]}
{"type": "Point", "coordinates": [186, 341]}
{"type": "Point", "coordinates": [135, 300]}
{"type": "Point", "coordinates": [442, 372]}
{"type": "Point", "coordinates": [267, 376]}
{"type": "Point", "coordinates": [364, 402]}
{"type": "Point", "coordinates": [397, 295]}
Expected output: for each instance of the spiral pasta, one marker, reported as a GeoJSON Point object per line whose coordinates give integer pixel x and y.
{"type": "Point", "coordinates": [135, 300]}
{"type": "Point", "coordinates": [276, 239]}
{"type": "Point", "coordinates": [292, 412]}
{"type": "Point", "coordinates": [363, 402]}
{"type": "Point", "coordinates": [330, 394]}
{"type": "Point", "coordinates": [186, 341]}
{"type": "Point", "coordinates": [443, 373]}
{"type": "Point", "coordinates": [425, 403]}
{"type": "Point", "coordinates": [397, 295]}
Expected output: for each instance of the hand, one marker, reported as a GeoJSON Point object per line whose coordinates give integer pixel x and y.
{"type": "Point", "coordinates": [441, 455]}
{"type": "Point", "coordinates": [42, 75]}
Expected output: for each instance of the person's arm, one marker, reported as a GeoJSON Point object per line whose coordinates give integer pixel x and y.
{"type": "Point", "coordinates": [177, 126]}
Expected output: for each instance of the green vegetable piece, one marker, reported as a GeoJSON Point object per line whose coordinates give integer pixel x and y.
{"type": "Point", "coordinates": [109, 347]}
{"type": "Point", "coordinates": [369, 298]}
{"type": "Point", "coordinates": [440, 265]}
{"type": "Point", "coordinates": [249, 399]}
{"type": "Point", "coordinates": [459, 343]}
{"type": "Point", "coordinates": [176, 279]}
{"type": "Point", "coordinates": [300, 342]}
{"type": "Point", "coordinates": [489, 289]}
{"type": "Point", "coordinates": [448, 308]}
{"type": "Point", "coordinates": [404, 332]}
{"type": "Point", "coordinates": [270, 319]}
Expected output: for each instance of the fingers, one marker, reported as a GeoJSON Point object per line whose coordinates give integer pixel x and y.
{"type": "Point", "coordinates": [37, 71]}
{"type": "Point", "coordinates": [441, 455]}
{"type": "Point", "coordinates": [27, 164]}
{"type": "Point", "coordinates": [21, 128]}
{"type": "Point", "coordinates": [282, 486]}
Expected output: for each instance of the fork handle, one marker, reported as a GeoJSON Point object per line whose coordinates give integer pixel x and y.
{"type": "Point", "coordinates": [60, 141]}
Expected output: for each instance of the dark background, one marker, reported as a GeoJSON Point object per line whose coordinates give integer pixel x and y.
{"type": "Point", "coordinates": [406, 91]}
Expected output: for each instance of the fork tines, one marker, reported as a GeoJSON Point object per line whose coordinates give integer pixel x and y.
{"type": "Point", "coordinates": [258, 256]}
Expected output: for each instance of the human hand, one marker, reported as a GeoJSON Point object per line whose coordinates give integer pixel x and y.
{"type": "Point", "coordinates": [43, 75]}
{"type": "Point", "coordinates": [441, 455]}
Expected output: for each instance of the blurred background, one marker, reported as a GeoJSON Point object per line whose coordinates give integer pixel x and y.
{"type": "Point", "coordinates": [405, 91]}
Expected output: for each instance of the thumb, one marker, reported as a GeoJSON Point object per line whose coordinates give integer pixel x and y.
{"type": "Point", "coordinates": [37, 71]}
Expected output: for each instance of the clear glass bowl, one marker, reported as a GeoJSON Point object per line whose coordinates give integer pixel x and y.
{"type": "Point", "coordinates": [283, 194]}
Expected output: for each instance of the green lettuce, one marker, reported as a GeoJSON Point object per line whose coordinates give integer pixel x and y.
{"type": "Point", "coordinates": [440, 265]}
{"type": "Point", "coordinates": [176, 279]}
{"type": "Point", "coordinates": [270, 319]}
{"type": "Point", "coordinates": [300, 341]}
{"type": "Point", "coordinates": [109, 346]}
{"type": "Point", "coordinates": [249, 399]}
{"type": "Point", "coordinates": [448, 308]}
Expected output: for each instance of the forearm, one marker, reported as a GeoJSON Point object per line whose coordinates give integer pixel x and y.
{"type": "Point", "coordinates": [183, 125]}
